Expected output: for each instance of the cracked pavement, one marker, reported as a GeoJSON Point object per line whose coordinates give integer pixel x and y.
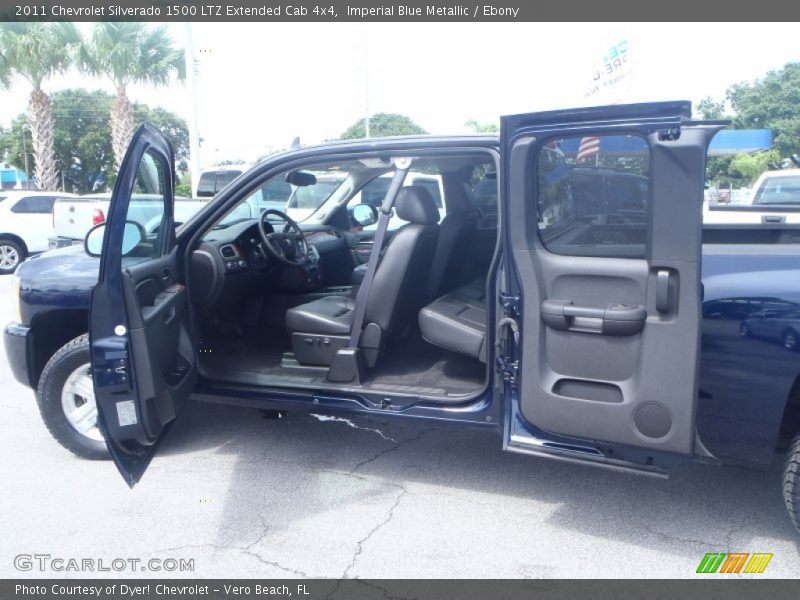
{"type": "Point", "coordinates": [245, 496]}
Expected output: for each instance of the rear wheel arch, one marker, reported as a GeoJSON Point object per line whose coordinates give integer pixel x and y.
{"type": "Point", "coordinates": [52, 330]}
{"type": "Point", "coordinates": [790, 423]}
{"type": "Point", "coordinates": [16, 239]}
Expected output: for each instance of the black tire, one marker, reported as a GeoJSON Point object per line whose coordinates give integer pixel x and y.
{"type": "Point", "coordinates": [791, 482]}
{"type": "Point", "coordinates": [68, 358]}
{"type": "Point", "coordinates": [789, 340]}
{"type": "Point", "coordinates": [7, 245]}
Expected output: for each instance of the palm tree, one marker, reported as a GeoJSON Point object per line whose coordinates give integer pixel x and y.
{"type": "Point", "coordinates": [35, 51]}
{"type": "Point", "coordinates": [129, 53]}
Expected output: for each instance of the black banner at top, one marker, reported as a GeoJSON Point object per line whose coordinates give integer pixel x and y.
{"type": "Point", "coordinates": [390, 10]}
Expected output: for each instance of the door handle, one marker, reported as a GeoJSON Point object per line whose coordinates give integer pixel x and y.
{"type": "Point", "coordinates": [663, 295]}
{"type": "Point", "coordinates": [614, 319]}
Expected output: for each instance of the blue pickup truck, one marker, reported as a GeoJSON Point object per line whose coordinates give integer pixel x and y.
{"type": "Point", "coordinates": [570, 300]}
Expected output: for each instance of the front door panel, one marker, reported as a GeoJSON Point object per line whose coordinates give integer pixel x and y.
{"type": "Point", "coordinates": [143, 360]}
{"type": "Point", "coordinates": [604, 228]}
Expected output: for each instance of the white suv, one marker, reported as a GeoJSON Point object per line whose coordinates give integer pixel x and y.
{"type": "Point", "coordinates": [25, 225]}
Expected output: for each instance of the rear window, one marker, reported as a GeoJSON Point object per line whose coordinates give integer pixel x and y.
{"type": "Point", "coordinates": [211, 182]}
{"type": "Point", "coordinates": [778, 190]}
{"type": "Point", "coordinates": [225, 177]}
{"type": "Point", "coordinates": [205, 186]}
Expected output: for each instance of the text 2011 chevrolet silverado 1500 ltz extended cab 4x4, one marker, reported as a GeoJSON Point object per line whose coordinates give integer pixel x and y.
{"type": "Point", "coordinates": [570, 299]}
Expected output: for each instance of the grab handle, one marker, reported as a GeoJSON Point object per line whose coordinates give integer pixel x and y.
{"type": "Point", "coordinates": [614, 319]}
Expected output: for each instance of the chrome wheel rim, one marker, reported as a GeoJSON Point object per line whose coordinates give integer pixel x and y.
{"type": "Point", "coordinates": [78, 403]}
{"type": "Point", "coordinates": [9, 257]}
{"type": "Point", "coordinates": [743, 330]}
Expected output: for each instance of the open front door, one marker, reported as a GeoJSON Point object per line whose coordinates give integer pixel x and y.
{"type": "Point", "coordinates": [143, 360]}
{"type": "Point", "coordinates": [604, 222]}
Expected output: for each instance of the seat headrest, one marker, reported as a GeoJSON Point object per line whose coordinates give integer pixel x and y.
{"type": "Point", "coordinates": [415, 204]}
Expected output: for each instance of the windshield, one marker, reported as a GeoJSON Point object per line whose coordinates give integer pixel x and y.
{"type": "Point", "coordinates": [305, 200]}
{"type": "Point", "coordinates": [779, 190]}
{"type": "Point", "coordinates": [298, 200]}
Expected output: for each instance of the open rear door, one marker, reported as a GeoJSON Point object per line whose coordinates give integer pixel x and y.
{"type": "Point", "coordinates": [143, 360]}
{"type": "Point", "coordinates": [603, 241]}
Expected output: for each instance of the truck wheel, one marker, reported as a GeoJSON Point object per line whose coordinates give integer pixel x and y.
{"type": "Point", "coordinates": [66, 400]}
{"type": "Point", "coordinates": [791, 482]}
{"type": "Point", "coordinates": [790, 339]}
{"type": "Point", "coordinates": [11, 254]}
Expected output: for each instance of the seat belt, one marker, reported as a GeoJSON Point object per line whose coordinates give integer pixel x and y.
{"type": "Point", "coordinates": [402, 166]}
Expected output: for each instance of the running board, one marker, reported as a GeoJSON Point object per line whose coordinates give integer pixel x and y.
{"type": "Point", "coordinates": [534, 447]}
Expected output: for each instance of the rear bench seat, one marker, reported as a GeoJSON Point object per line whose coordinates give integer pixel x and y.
{"type": "Point", "coordinates": [457, 320]}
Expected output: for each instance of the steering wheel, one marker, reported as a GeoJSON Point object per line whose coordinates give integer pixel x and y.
{"type": "Point", "coordinates": [288, 246]}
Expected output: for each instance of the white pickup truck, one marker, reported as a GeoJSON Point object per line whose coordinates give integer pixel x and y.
{"type": "Point", "coordinates": [775, 199]}
{"type": "Point", "coordinates": [74, 217]}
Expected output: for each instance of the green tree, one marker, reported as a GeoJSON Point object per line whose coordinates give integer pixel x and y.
{"type": "Point", "coordinates": [771, 102]}
{"type": "Point", "coordinates": [184, 187]}
{"type": "Point", "coordinates": [34, 52]}
{"type": "Point", "coordinates": [710, 109]}
{"type": "Point", "coordinates": [129, 53]}
{"type": "Point", "coordinates": [751, 166]}
{"type": "Point", "coordinates": [479, 127]}
{"type": "Point", "coordinates": [83, 137]}
{"type": "Point", "coordinates": [83, 150]}
{"type": "Point", "coordinates": [383, 125]}
{"type": "Point", "coordinates": [172, 126]}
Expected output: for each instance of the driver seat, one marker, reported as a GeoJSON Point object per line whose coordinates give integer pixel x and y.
{"type": "Point", "coordinates": [320, 328]}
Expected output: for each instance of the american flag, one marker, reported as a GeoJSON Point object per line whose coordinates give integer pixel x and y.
{"type": "Point", "coordinates": [590, 146]}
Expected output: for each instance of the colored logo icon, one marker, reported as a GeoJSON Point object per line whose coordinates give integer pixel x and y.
{"type": "Point", "coordinates": [734, 562]}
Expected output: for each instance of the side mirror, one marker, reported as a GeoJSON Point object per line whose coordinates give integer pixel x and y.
{"type": "Point", "coordinates": [363, 214]}
{"type": "Point", "coordinates": [133, 236]}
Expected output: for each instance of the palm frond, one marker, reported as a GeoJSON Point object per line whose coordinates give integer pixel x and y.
{"type": "Point", "coordinates": [36, 51]}
{"type": "Point", "coordinates": [128, 52]}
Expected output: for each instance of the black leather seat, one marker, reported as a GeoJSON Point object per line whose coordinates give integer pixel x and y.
{"type": "Point", "coordinates": [319, 328]}
{"type": "Point", "coordinates": [457, 320]}
{"type": "Point", "coordinates": [451, 268]}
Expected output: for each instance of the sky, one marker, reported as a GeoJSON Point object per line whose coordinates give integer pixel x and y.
{"type": "Point", "coordinates": [259, 85]}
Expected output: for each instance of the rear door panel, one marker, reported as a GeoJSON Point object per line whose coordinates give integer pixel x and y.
{"type": "Point", "coordinates": [610, 292]}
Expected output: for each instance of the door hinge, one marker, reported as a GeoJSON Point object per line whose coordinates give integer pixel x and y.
{"type": "Point", "coordinates": [510, 303]}
{"type": "Point", "coordinates": [508, 369]}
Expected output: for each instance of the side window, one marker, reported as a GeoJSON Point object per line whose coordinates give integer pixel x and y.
{"type": "Point", "coordinates": [148, 206]}
{"type": "Point", "coordinates": [224, 178]}
{"type": "Point", "coordinates": [593, 196]}
{"type": "Point", "coordinates": [374, 192]}
{"type": "Point", "coordinates": [205, 185]}
{"type": "Point", "coordinates": [34, 205]}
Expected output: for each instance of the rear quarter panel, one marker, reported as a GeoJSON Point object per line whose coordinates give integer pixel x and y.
{"type": "Point", "coordinates": [745, 381]}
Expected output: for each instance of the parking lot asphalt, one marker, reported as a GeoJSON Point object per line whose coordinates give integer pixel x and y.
{"type": "Point", "coordinates": [244, 496]}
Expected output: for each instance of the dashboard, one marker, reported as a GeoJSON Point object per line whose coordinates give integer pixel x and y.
{"type": "Point", "coordinates": [231, 261]}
